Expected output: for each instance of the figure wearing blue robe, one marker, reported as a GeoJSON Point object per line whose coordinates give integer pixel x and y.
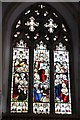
{"type": "Point", "coordinates": [57, 91]}
{"type": "Point", "coordinates": [37, 96]}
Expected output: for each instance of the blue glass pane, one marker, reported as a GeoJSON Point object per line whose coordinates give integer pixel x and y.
{"type": "Point", "coordinates": [41, 91]}
{"type": "Point", "coordinates": [62, 96]}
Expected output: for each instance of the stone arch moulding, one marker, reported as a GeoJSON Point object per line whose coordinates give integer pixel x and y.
{"type": "Point", "coordinates": [10, 20]}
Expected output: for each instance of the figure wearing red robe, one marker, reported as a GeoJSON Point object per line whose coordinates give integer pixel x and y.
{"type": "Point", "coordinates": [42, 75]}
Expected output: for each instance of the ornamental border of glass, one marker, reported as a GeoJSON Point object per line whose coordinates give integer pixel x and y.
{"type": "Point", "coordinates": [49, 32]}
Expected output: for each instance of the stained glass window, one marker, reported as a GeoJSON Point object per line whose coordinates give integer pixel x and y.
{"type": "Point", "coordinates": [41, 85]}
{"type": "Point", "coordinates": [45, 34]}
{"type": "Point", "coordinates": [62, 95]}
{"type": "Point", "coordinates": [20, 78]}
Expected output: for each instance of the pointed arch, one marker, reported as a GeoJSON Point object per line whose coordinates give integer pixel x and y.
{"type": "Point", "coordinates": [40, 21]}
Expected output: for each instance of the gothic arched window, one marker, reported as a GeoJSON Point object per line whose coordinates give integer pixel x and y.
{"type": "Point", "coordinates": [40, 62]}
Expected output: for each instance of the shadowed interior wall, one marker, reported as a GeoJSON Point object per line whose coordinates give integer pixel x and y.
{"type": "Point", "coordinates": [10, 12]}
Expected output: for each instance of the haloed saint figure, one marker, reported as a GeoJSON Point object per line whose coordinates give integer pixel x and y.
{"type": "Point", "coordinates": [41, 91]}
{"type": "Point", "coordinates": [20, 77]}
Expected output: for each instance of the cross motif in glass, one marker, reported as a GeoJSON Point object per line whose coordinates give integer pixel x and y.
{"type": "Point", "coordinates": [32, 24]}
{"type": "Point", "coordinates": [41, 6]}
{"type": "Point", "coordinates": [39, 41]}
{"type": "Point", "coordinates": [51, 25]}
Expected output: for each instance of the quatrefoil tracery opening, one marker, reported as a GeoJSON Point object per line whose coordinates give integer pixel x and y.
{"type": "Point", "coordinates": [32, 24]}
{"type": "Point", "coordinates": [40, 18]}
